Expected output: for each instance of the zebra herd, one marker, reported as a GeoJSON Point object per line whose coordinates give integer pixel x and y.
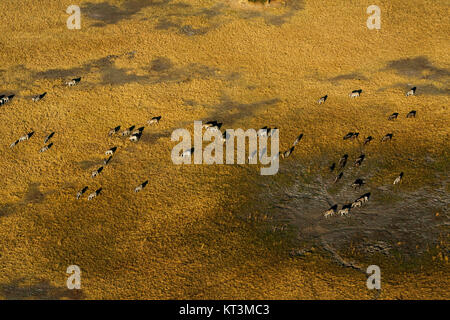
{"type": "Point", "coordinates": [345, 209]}
{"type": "Point", "coordinates": [134, 135]}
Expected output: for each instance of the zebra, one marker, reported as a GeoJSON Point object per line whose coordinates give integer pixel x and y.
{"type": "Point", "coordinates": [113, 131]}
{"type": "Point", "coordinates": [215, 128]}
{"type": "Point", "coordinates": [45, 148]}
{"type": "Point", "coordinates": [368, 139]}
{"type": "Point", "coordinates": [5, 99]}
{"type": "Point", "coordinates": [358, 183]}
{"type": "Point", "coordinates": [387, 137]}
{"type": "Point", "coordinates": [338, 177]}
{"type": "Point", "coordinates": [107, 160]}
{"type": "Point", "coordinates": [141, 186]}
{"type": "Point", "coordinates": [47, 138]}
{"type": "Point", "coordinates": [298, 139]}
{"type": "Point", "coordinates": [357, 204]}
{"type": "Point", "coordinates": [136, 135]}
{"type": "Point", "coordinates": [39, 97]}
{"type": "Point", "coordinates": [330, 212]}
{"type": "Point", "coordinates": [96, 172]}
{"type": "Point", "coordinates": [81, 192]}
{"type": "Point", "coordinates": [128, 131]}
{"type": "Point", "coordinates": [393, 116]}
{"type": "Point", "coordinates": [345, 210]}
{"type": "Point", "coordinates": [287, 153]}
{"type": "Point", "coordinates": [359, 160]}
{"type": "Point", "coordinates": [332, 167]}
{"type": "Point", "coordinates": [26, 137]}
{"type": "Point", "coordinates": [12, 145]}
{"type": "Point", "coordinates": [94, 194]}
{"type": "Point", "coordinates": [355, 93]}
{"type": "Point", "coordinates": [73, 82]}
{"type": "Point", "coordinates": [138, 130]}
{"type": "Point", "coordinates": [322, 99]}
{"type": "Point", "coordinates": [351, 135]}
{"type": "Point", "coordinates": [398, 179]}
{"type": "Point", "coordinates": [364, 198]}
{"type": "Point", "coordinates": [343, 161]}
{"type": "Point", "coordinates": [411, 92]}
{"type": "Point", "coordinates": [154, 120]}
{"type": "Point", "coordinates": [411, 114]}
{"type": "Point", "coordinates": [210, 124]}
{"type": "Point", "coordinates": [111, 151]}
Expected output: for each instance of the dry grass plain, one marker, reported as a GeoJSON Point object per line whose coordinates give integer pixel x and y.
{"type": "Point", "coordinates": [206, 232]}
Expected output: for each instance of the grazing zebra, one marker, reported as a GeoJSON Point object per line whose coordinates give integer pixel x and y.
{"type": "Point", "coordinates": [188, 152]}
{"type": "Point", "coordinates": [298, 139]}
{"type": "Point", "coordinates": [359, 160]}
{"type": "Point", "coordinates": [411, 114]}
{"type": "Point", "coordinates": [5, 99]}
{"type": "Point", "coordinates": [287, 153]}
{"type": "Point", "coordinates": [26, 137]}
{"type": "Point", "coordinates": [154, 120]}
{"type": "Point", "coordinates": [398, 179]}
{"type": "Point", "coordinates": [330, 212]}
{"type": "Point", "coordinates": [338, 177]}
{"type": "Point", "coordinates": [343, 161]}
{"type": "Point", "coordinates": [113, 131]}
{"type": "Point", "coordinates": [387, 137]}
{"type": "Point", "coordinates": [323, 99]}
{"type": "Point", "coordinates": [348, 136]}
{"type": "Point", "coordinates": [136, 136]}
{"type": "Point", "coordinates": [45, 148]}
{"type": "Point", "coordinates": [368, 139]}
{"type": "Point", "coordinates": [96, 172]}
{"type": "Point", "coordinates": [81, 192]}
{"type": "Point", "coordinates": [107, 160]}
{"type": "Point", "coordinates": [39, 97]}
{"type": "Point", "coordinates": [128, 131]}
{"type": "Point", "coordinates": [364, 198]}
{"type": "Point", "coordinates": [358, 183]}
{"type": "Point", "coordinates": [332, 167]}
{"type": "Point", "coordinates": [47, 138]}
{"type": "Point", "coordinates": [355, 93]}
{"type": "Point", "coordinates": [141, 186]}
{"type": "Point", "coordinates": [73, 82]}
{"type": "Point", "coordinates": [411, 92]}
{"type": "Point", "coordinates": [215, 128]}
{"type": "Point", "coordinates": [94, 194]}
{"type": "Point", "coordinates": [357, 204]}
{"type": "Point", "coordinates": [393, 116]}
{"type": "Point", "coordinates": [12, 145]}
{"type": "Point", "coordinates": [351, 135]}
{"type": "Point", "coordinates": [138, 131]}
{"type": "Point", "coordinates": [345, 210]}
{"type": "Point", "coordinates": [111, 151]}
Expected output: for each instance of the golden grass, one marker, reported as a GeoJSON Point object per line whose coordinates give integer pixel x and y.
{"type": "Point", "coordinates": [187, 234]}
